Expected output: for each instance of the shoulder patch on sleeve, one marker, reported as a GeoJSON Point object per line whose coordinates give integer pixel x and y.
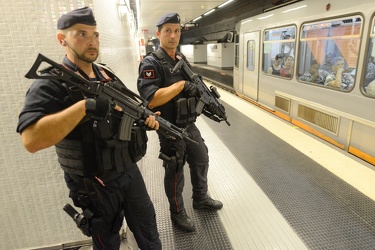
{"type": "Point", "coordinates": [148, 74]}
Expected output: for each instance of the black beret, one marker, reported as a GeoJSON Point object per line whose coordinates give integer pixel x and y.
{"type": "Point", "coordinates": [83, 16]}
{"type": "Point", "coordinates": [169, 18]}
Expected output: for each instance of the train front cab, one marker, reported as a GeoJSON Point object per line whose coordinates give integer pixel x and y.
{"type": "Point", "coordinates": [342, 116]}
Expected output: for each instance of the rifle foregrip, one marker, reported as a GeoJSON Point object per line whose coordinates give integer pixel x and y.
{"type": "Point", "coordinates": [168, 128]}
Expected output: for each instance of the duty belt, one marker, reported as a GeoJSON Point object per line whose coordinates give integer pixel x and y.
{"type": "Point", "coordinates": [107, 177]}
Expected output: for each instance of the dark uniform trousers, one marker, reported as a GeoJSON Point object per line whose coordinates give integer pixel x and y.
{"type": "Point", "coordinates": [129, 193]}
{"type": "Point", "coordinates": [174, 180]}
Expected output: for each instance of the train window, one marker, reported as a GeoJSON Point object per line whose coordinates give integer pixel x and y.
{"type": "Point", "coordinates": [369, 81]}
{"type": "Point", "coordinates": [250, 55]}
{"type": "Point", "coordinates": [328, 52]}
{"type": "Point", "coordinates": [278, 51]}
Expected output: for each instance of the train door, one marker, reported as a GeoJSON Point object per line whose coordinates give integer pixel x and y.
{"type": "Point", "coordinates": [251, 65]}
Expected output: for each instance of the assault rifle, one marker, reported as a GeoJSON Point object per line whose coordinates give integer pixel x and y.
{"type": "Point", "coordinates": [133, 106]}
{"type": "Point", "coordinates": [207, 97]}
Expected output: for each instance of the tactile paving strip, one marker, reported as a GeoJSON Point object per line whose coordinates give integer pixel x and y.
{"type": "Point", "coordinates": [209, 233]}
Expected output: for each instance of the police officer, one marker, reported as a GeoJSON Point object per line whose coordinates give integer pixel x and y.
{"type": "Point", "coordinates": [99, 169]}
{"type": "Point", "coordinates": [170, 93]}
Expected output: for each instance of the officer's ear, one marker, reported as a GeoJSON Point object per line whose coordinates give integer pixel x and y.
{"type": "Point", "coordinates": [61, 39]}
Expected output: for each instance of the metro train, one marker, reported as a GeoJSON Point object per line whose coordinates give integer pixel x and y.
{"type": "Point", "coordinates": [312, 64]}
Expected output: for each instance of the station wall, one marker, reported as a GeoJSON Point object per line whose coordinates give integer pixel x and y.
{"type": "Point", "coordinates": [31, 185]}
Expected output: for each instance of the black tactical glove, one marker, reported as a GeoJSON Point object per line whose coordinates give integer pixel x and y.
{"type": "Point", "coordinates": [98, 109]}
{"type": "Point", "coordinates": [190, 88]}
{"type": "Point", "coordinates": [211, 107]}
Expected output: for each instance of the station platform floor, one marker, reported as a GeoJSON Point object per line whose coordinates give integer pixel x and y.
{"type": "Point", "coordinates": [281, 187]}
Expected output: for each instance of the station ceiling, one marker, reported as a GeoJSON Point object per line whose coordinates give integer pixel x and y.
{"type": "Point", "coordinates": [151, 11]}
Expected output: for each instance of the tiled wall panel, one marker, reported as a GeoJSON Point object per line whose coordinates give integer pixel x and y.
{"type": "Point", "coordinates": [32, 188]}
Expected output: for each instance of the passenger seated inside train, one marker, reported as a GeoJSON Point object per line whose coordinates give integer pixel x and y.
{"type": "Point", "coordinates": [315, 74]}
{"type": "Point", "coordinates": [287, 70]}
{"type": "Point", "coordinates": [276, 66]}
{"type": "Point", "coordinates": [327, 65]}
{"type": "Point", "coordinates": [339, 78]}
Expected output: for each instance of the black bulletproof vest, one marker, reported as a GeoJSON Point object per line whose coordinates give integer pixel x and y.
{"type": "Point", "coordinates": [181, 109]}
{"type": "Point", "coordinates": [98, 152]}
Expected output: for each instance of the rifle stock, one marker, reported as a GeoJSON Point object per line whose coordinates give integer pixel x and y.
{"type": "Point", "coordinates": [133, 106]}
{"type": "Point", "coordinates": [206, 97]}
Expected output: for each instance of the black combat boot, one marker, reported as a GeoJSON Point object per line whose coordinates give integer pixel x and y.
{"type": "Point", "coordinates": [183, 221]}
{"type": "Point", "coordinates": [207, 203]}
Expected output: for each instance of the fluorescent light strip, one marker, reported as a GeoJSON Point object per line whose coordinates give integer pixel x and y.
{"type": "Point", "coordinates": [197, 18]}
{"type": "Point", "coordinates": [223, 4]}
{"type": "Point", "coordinates": [208, 12]}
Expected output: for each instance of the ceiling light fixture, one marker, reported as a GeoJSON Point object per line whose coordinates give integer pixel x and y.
{"type": "Point", "coordinates": [223, 4]}
{"type": "Point", "coordinates": [208, 12]}
{"type": "Point", "coordinates": [197, 18]}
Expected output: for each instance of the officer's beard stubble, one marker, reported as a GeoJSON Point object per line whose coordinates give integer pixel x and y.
{"type": "Point", "coordinates": [82, 56]}
{"type": "Point", "coordinates": [88, 59]}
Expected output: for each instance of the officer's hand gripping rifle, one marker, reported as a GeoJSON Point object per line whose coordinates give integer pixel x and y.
{"type": "Point", "coordinates": [133, 106]}
{"type": "Point", "coordinates": [206, 97]}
